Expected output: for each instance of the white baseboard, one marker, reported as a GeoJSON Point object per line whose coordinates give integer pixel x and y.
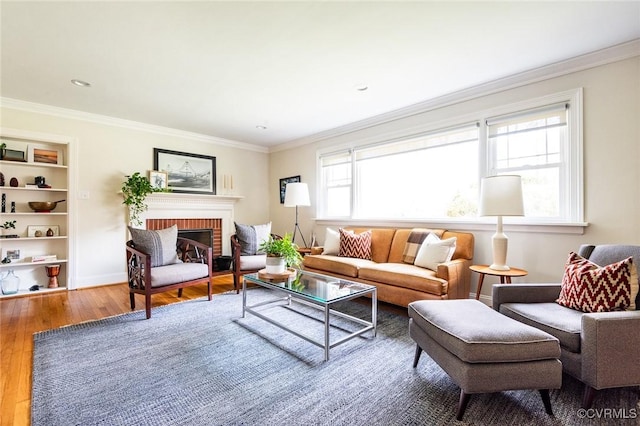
{"type": "Point", "coordinates": [99, 280]}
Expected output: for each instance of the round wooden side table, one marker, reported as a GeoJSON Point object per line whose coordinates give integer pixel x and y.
{"type": "Point", "coordinates": [505, 276]}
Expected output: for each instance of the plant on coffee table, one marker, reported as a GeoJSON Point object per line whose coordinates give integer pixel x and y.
{"type": "Point", "coordinates": [284, 248]}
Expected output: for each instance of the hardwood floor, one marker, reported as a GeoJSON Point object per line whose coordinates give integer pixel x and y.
{"type": "Point", "coordinates": [20, 317]}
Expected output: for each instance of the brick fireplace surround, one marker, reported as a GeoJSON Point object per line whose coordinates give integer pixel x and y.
{"type": "Point", "coordinates": [202, 223]}
{"type": "Point", "coordinates": [193, 211]}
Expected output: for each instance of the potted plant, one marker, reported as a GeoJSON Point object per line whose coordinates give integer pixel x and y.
{"type": "Point", "coordinates": [135, 190]}
{"type": "Point", "coordinates": [281, 253]}
{"type": "Point", "coordinates": [10, 224]}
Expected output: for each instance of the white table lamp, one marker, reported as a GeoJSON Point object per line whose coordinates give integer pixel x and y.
{"type": "Point", "coordinates": [297, 194]}
{"type": "Point", "coordinates": [501, 196]}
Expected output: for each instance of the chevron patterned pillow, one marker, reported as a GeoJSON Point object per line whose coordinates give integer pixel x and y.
{"type": "Point", "coordinates": [355, 245]}
{"type": "Point", "coordinates": [588, 287]}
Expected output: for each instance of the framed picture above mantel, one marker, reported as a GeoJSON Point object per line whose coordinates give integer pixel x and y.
{"type": "Point", "coordinates": [186, 172]}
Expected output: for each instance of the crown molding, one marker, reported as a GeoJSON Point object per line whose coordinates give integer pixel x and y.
{"type": "Point", "coordinates": [128, 124]}
{"type": "Point", "coordinates": [579, 63]}
{"type": "Point", "coordinates": [594, 59]}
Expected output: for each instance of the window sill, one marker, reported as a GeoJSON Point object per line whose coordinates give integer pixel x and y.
{"type": "Point", "coordinates": [577, 228]}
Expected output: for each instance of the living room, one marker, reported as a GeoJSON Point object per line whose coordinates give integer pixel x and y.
{"type": "Point", "coordinates": [105, 148]}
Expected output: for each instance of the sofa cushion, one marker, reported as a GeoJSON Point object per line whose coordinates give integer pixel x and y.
{"type": "Point", "coordinates": [347, 266]}
{"type": "Point", "coordinates": [413, 244]}
{"type": "Point", "coordinates": [177, 273]}
{"type": "Point", "coordinates": [331, 242]}
{"type": "Point", "coordinates": [403, 275]}
{"type": "Point", "coordinates": [399, 242]}
{"type": "Point", "coordinates": [590, 288]}
{"type": "Point", "coordinates": [434, 251]}
{"type": "Point", "coordinates": [355, 245]}
{"type": "Point", "coordinates": [251, 236]}
{"type": "Point", "coordinates": [382, 240]}
{"type": "Point", "coordinates": [476, 333]}
{"type": "Point", "coordinates": [563, 323]}
{"type": "Point", "coordinates": [605, 254]}
{"type": "Point", "coordinates": [160, 245]}
{"type": "Point", "coordinates": [464, 244]}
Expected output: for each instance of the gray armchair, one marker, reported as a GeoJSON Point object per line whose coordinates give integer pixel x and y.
{"type": "Point", "coordinates": [245, 264]}
{"type": "Point", "coordinates": [599, 349]}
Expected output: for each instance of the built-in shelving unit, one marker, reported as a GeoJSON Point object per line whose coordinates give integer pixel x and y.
{"type": "Point", "coordinates": [55, 169]}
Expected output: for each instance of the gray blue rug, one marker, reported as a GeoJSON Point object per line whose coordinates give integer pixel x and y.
{"type": "Point", "coordinates": [200, 363]}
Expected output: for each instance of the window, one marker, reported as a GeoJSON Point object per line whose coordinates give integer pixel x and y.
{"type": "Point", "coordinates": [406, 179]}
{"type": "Point", "coordinates": [335, 179]}
{"type": "Point", "coordinates": [436, 175]}
{"type": "Point", "coordinates": [533, 144]}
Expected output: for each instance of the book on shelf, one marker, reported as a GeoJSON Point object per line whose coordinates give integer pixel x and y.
{"type": "Point", "coordinates": [44, 258]}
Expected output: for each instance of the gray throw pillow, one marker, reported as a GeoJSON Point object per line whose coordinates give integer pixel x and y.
{"type": "Point", "coordinates": [159, 245]}
{"type": "Point", "coordinates": [251, 236]}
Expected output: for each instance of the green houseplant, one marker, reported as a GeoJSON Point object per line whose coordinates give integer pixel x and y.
{"type": "Point", "coordinates": [282, 248]}
{"type": "Point", "coordinates": [135, 190]}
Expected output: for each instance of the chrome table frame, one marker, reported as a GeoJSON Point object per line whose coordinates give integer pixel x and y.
{"type": "Point", "coordinates": [309, 301]}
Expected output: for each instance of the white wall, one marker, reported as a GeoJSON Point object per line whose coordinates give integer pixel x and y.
{"type": "Point", "coordinates": [105, 154]}
{"type": "Point", "coordinates": [611, 168]}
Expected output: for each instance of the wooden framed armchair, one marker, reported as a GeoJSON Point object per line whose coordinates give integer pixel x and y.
{"type": "Point", "coordinates": [194, 267]}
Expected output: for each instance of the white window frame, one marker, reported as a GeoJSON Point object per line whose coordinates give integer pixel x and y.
{"type": "Point", "coordinates": [573, 222]}
{"type": "Point", "coordinates": [572, 181]}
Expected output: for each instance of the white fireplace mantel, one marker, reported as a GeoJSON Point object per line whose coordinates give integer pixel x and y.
{"type": "Point", "coordinates": [170, 205]}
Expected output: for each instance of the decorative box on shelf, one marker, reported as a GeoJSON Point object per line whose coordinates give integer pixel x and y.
{"type": "Point", "coordinates": [44, 258]}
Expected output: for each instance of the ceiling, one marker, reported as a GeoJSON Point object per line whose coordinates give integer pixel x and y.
{"type": "Point", "coordinates": [224, 69]}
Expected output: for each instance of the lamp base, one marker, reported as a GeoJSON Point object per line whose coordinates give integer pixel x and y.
{"type": "Point", "coordinates": [499, 243]}
{"type": "Point", "coordinates": [499, 267]}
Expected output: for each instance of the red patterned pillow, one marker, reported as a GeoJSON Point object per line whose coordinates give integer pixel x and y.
{"type": "Point", "coordinates": [588, 287]}
{"type": "Point", "coordinates": [355, 245]}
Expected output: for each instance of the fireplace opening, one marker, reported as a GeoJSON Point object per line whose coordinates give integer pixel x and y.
{"type": "Point", "coordinates": [204, 236]}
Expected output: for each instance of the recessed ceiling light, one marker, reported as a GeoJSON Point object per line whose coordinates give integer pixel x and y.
{"type": "Point", "coordinates": [80, 83]}
{"type": "Point", "coordinates": [361, 87]}
{"type": "Point", "coordinates": [260, 127]}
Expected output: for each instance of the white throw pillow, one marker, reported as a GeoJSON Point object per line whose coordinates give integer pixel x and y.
{"type": "Point", "coordinates": [331, 242]}
{"type": "Point", "coordinates": [434, 251]}
{"type": "Point", "coordinates": [263, 232]}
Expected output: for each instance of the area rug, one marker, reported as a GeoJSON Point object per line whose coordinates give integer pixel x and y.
{"type": "Point", "coordinates": [200, 363]}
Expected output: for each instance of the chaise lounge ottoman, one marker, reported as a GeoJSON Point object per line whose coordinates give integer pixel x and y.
{"type": "Point", "coordinates": [484, 351]}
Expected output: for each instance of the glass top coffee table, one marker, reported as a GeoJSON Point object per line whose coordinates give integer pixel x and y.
{"type": "Point", "coordinates": [315, 290]}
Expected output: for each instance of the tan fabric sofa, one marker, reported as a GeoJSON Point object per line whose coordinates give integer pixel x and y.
{"type": "Point", "coordinates": [397, 282]}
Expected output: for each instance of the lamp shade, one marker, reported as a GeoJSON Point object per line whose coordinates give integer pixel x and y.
{"type": "Point", "coordinates": [501, 196]}
{"type": "Point", "coordinates": [296, 194]}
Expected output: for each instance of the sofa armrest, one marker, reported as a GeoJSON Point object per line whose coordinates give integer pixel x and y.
{"type": "Point", "coordinates": [609, 346]}
{"type": "Point", "coordinates": [524, 293]}
{"type": "Point", "coordinates": [458, 276]}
